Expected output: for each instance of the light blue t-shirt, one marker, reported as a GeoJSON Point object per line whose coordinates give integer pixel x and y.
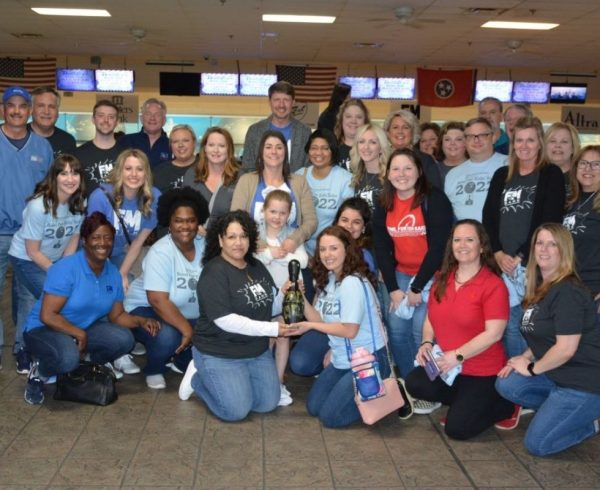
{"type": "Point", "coordinates": [53, 233]}
{"type": "Point", "coordinates": [328, 195]}
{"type": "Point", "coordinates": [133, 218]}
{"type": "Point", "coordinates": [467, 186]}
{"type": "Point", "coordinates": [166, 269]}
{"type": "Point", "coordinates": [89, 297]}
{"type": "Point", "coordinates": [345, 302]}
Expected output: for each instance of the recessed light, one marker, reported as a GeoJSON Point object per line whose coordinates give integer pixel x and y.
{"type": "Point", "coordinates": [536, 26]}
{"type": "Point", "coordinates": [367, 45]}
{"type": "Point", "coordinates": [71, 12]}
{"type": "Point", "coordinates": [311, 19]}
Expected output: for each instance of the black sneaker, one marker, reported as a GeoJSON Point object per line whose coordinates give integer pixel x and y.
{"type": "Point", "coordinates": [34, 391]}
{"type": "Point", "coordinates": [406, 411]}
{"type": "Point", "coordinates": [23, 360]}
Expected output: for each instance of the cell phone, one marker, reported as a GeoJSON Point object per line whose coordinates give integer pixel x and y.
{"type": "Point", "coordinates": [431, 367]}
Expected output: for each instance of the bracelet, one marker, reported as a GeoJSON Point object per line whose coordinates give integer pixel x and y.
{"type": "Point", "coordinates": [426, 342]}
{"type": "Point", "coordinates": [530, 368]}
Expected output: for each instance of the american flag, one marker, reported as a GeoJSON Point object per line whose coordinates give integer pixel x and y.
{"type": "Point", "coordinates": [28, 73]}
{"type": "Point", "coordinates": [312, 83]}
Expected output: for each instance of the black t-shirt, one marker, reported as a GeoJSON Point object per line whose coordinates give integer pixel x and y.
{"type": "Point", "coordinates": [96, 163]}
{"type": "Point", "coordinates": [584, 224]}
{"type": "Point", "coordinates": [369, 189]}
{"type": "Point", "coordinates": [567, 309]}
{"type": "Point", "coordinates": [168, 176]}
{"type": "Point", "coordinates": [61, 142]}
{"type": "Point", "coordinates": [516, 211]}
{"type": "Point", "coordinates": [344, 156]}
{"type": "Point", "coordinates": [224, 289]}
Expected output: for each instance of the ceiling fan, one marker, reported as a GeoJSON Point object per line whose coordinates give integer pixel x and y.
{"type": "Point", "coordinates": [404, 16]}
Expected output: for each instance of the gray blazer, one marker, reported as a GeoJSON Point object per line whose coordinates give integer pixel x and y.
{"type": "Point", "coordinates": [300, 135]}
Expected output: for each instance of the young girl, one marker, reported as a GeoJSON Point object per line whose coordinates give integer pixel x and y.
{"type": "Point", "coordinates": [275, 230]}
{"type": "Point", "coordinates": [50, 230]}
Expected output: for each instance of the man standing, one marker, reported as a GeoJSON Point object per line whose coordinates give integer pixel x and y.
{"type": "Point", "coordinates": [467, 184]}
{"type": "Point", "coordinates": [24, 160]}
{"type": "Point", "coordinates": [281, 100]}
{"type": "Point", "coordinates": [46, 102]}
{"type": "Point", "coordinates": [152, 139]}
{"type": "Point", "coordinates": [512, 115]}
{"type": "Point", "coordinates": [98, 156]}
{"type": "Point", "coordinates": [490, 108]}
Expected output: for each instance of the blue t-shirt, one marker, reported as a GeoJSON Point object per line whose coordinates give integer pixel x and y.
{"type": "Point", "coordinates": [328, 195]}
{"type": "Point", "coordinates": [54, 233]}
{"type": "Point", "coordinates": [345, 302]}
{"type": "Point", "coordinates": [166, 269]}
{"type": "Point", "coordinates": [89, 297]}
{"type": "Point", "coordinates": [133, 218]}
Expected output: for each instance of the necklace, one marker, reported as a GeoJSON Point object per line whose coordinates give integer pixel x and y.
{"type": "Point", "coordinates": [467, 280]}
{"type": "Point", "coordinates": [586, 201]}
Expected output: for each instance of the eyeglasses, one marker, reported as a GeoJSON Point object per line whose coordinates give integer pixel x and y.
{"type": "Point", "coordinates": [587, 164]}
{"type": "Point", "coordinates": [477, 137]}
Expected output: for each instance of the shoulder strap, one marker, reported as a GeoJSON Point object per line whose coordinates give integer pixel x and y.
{"type": "Point", "coordinates": [119, 217]}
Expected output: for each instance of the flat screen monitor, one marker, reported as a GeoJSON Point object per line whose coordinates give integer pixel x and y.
{"type": "Point", "coordinates": [396, 88]}
{"type": "Point", "coordinates": [114, 81]}
{"type": "Point", "coordinates": [568, 93]}
{"type": "Point", "coordinates": [501, 89]}
{"type": "Point", "coordinates": [219, 84]}
{"type": "Point", "coordinates": [531, 92]}
{"type": "Point", "coordinates": [75, 79]}
{"type": "Point", "coordinates": [177, 83]}
{"type": "Point", "coordinates": [362, 87]}
{"type": "Point", "coordinates": [256, 84]}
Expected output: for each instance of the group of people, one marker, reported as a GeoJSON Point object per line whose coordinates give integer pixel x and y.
{"type": "Point", "coordinates": [466, 252]}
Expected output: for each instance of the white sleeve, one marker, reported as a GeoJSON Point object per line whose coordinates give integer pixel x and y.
{"type": "Point", "coordinates": [234, 323]}
{"type": "Point", "coordinates": [300, 255]}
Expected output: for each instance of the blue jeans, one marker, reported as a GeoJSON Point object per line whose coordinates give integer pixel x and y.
{"type": "Point", "coordinates": [159, 349]}
{"type": "Point", "coordinates": [306, 358]}
{"type": "Point", "coordinates": [564, 416]}
{"type": "Point", "coordinates": [57, 352]}
{"type": "Point", "coordinates": [4, 246]}
{"type": "Point", "coordinates": [331, 397]}
{"type": "Point", "coordinates": [30, 279]}
{"type": "Point", "coordinates": [232, 388]}
{"type": "Point", "coordinates": [405, 335]}
{"type": "Point", "coordinates": [514, 342]}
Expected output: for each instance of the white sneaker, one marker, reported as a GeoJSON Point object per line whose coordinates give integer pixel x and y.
{"type": "Point", "coordinates": [156, 382]}
{"type": "Point", "coordinates": [284, 398]}
{"type": "Point", "coordinates": [118, 374]}
{"type": "Point", "coordinates": [139, 349]}
{"type": "Point", "coordinates": [185, 388]}
{"type": "Point", "coordinates": [125, 364]}
{"type": "Point", "coordinates": [174, 368]}
{"type": "Point", "coordinates": [423, 407]}
{"type": "Point", "coordinates": [284, 389]}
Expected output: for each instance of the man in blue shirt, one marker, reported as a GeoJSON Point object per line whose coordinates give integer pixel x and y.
{"type": "Point", "coordinates": [152, 139]}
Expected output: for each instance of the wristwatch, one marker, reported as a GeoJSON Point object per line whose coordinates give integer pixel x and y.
{"type": "Point", "coordinates": [459, 356]}
{"type": "Point", "coordinates": [415, 290]}
{"type": "Point", "coordinates": [530, 368]}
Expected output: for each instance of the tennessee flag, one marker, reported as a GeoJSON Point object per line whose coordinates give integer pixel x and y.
{"type": "Point", "coordinates": [445, 88]}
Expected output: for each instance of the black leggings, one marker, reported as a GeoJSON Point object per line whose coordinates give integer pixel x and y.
{"type": "Point", "coordinates": [474, 402]}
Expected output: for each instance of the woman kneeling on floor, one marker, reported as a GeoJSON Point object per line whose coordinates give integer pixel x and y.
{"type": "Point", "coordinates": [466, 318]}
{"type": "Point", "coordinates": [559, 374]}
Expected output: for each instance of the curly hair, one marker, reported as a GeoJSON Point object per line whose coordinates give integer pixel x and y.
{"type": "Point", "coordinates": [230, 172]}
{"type": "Point", "coordinates": [144, 193]}
{"type": "Point", "coordinates": [94, 221]}
{"type": "Point", "coordinates": [450, 264]}
{"type": "Point", "coordinates": [219, 229]}
{"type": "Point", "coordinates": [354, 263]}
{"type": "Point", "coordinates": [48, 188]}
{"type": "Point", "coordinates": [173, 199]}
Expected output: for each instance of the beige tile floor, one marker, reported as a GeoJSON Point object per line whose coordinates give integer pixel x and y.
{"type": "Point", "coordinates": [150, 439]}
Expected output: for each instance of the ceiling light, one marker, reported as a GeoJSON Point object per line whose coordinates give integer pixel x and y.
{"type": "Point", "coordinates": [311, 19]}
{"type": "Point", "coordinates": [536, 26]}
{"type": "Point", "coordinates": [72, 12]}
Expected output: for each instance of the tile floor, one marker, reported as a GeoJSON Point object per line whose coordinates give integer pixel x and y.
{"type": "Point", "coordinates": [150, 439]}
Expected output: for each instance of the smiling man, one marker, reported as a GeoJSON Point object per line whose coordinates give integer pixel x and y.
{"type": "Point", "coordinates": [46, 102]}
{"type": "Point", "coordinates": [24, 160]}
{"type": "Point", "coordinates": [281, 100]}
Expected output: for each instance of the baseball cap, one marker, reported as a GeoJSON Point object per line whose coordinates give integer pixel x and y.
{"type": "Point", "coordinates": [15, 90]}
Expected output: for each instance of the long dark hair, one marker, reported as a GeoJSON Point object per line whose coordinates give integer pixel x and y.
{"type": "Point", "coordinates": [218, 229]}
{"type": "Point", "coordinates": [361, 206]}
{"type": "Point", "coordinates": [450, 264]}
{"type": "Point", "coordinates": [422, 186]}
{"type": "Point", "coordinates": [48, 188]}
{"type": "Point", "coordinates": [354, 263]}
{"type": "Point", "coordinates": [260, 163]}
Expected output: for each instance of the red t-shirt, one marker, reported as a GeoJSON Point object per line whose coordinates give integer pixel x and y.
{"type": "Point", "coordinates": [407, 228]}
{"type": "Point", "coordinates": [461, 315]}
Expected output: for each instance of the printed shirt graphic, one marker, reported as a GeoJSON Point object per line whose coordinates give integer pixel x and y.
{"type": "Point", "coordinates": [97, 163]}
{"type": "Point", "coordinates": [369, 189]}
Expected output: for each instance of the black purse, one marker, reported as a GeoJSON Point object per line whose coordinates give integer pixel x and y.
{"type": "Point", "coordinates": [89, 383]}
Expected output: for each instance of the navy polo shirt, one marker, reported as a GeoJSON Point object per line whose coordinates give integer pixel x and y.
{"type": "Point", "coordinates": [89, 297]}
{"type": "Point", "coordinates": [159, 152]}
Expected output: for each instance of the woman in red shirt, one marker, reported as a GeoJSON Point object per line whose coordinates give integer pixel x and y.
{"type": "Point", "coordinates": [467, 316]}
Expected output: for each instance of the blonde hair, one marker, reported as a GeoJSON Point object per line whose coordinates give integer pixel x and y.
{"type": "Point", "coordinates": [513, 161]}
{"type": "Point", "coordinates": [574, 183]}
{"type": "Point", "coordinates": [557, 126]}
{"type": "Point", "coordinates": [144, 193]}
{"type": "Point", "coordinates": [409, 118]}
{"type": "Point", "coordinates": [356, 163]}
